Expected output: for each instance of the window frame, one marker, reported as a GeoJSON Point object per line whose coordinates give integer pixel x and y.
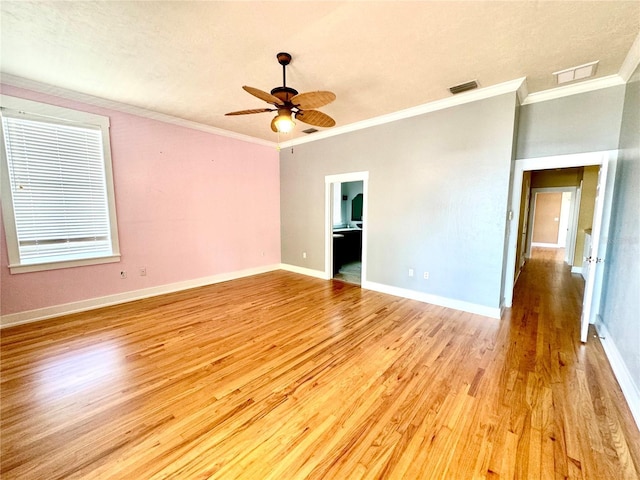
{"type": "Point", "coordinates": [63, 116]}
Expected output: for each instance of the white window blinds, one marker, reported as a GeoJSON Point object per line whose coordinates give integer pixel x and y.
{"type": "Point", "coordinates": [57, 178]}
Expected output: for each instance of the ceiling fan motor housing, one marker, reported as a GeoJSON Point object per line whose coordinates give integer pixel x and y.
{"type": "Point", "coordinates": [284, 93]}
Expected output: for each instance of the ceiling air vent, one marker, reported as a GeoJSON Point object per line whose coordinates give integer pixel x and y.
{"type": "Point", "coordinates": [463, 87]}
{"type": "Point", "coordinates": [310, 130]}
{"type": "Point", "coordinates": [576, 73]}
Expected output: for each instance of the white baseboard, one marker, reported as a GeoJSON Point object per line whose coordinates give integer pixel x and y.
{"type": "Point", "coordinates": [406, 293]}
{"type": "Point", "coordinates": [304, 271]}
{"type": "Point", "coordinates": [629, 389]}
{"type": "Point", "coordinates": [434, 299]}
{"type": "Point", "coordinates": [576, 270]}
{"type": "Point", "coordinates": [93, 303]}
{"type": "Point", "coordinates": [546, 245]}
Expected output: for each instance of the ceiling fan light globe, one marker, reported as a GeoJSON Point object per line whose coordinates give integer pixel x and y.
{"type": "Point", "coordinates": [284, 123]}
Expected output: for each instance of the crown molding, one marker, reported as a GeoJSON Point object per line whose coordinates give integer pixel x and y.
{"type": "Point", "coordinates": [519, 86]}
{"type": "Point", "coordinates": [631, 61]}
{"type": "Point", "coordinates": [523, 91]}
{"type": "Point", "coordinates": [574, 89]}
{"type": "Point", "coordinates": [460, 99]}
{"type": "Point", "coordinates": [39, 87]}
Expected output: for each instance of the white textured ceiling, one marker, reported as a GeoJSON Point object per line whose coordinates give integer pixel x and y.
{"type": "Point", "coordinates": [190, 59]}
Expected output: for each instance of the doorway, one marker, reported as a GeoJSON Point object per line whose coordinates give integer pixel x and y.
{"type": "Point", "coordinates": [606, 161]}
{"type": "Point", "coordinates": [346, 227]}
{"type": "Point", "coordinates": [347, 231]}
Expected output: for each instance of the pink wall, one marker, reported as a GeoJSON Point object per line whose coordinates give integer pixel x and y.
{"type": "Point", "coordinates": [190, 204]}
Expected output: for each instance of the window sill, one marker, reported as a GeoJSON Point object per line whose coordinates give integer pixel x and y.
{"type": "Point", "coordinates": [39, 267]}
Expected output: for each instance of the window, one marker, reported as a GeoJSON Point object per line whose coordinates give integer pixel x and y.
{"type": "Point", "coordinates": [57, 188]}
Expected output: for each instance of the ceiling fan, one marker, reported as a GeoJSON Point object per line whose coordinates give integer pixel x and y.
{"type": "Point", "coordinates": [290, 104]}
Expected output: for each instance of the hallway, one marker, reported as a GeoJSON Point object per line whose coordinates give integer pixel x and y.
{"type": "Point", "coordinates": [583, 411]}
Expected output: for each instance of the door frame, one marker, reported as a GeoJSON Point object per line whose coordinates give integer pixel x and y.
{"type": "Point", "coordinates": [606, 159]}
{"type": "Point", "coordinates": [522, 251]}
{"type": "Point", "coordinates": [576, 217]}
{"type": "Point", "coordinates": [329, 181]}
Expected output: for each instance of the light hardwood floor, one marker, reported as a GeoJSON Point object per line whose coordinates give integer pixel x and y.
{"type": "Point", "coordinates": [281, 376]}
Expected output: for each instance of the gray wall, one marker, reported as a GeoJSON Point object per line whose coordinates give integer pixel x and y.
{"type": "Point", "coordinates": [620, 304]}
{"type": "Point", "coordinates": [588, 122]}
{"type": "Point", "coordinates": [438, 194]}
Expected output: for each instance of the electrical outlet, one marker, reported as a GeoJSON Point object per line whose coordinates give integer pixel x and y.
{"type": "Point", "coordinates": [123, 274]}
{"type": "Point", "coordinates": [426, 275]}
{"type": "Point", "coordinates": [143, 271]}
{"type": "Point", "coordinates": [304, 254]}
{"type": "Point", "coordinates": [411, 272]}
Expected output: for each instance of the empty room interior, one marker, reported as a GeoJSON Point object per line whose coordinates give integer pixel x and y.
{"type": "Point", "coordinates": [320, 240]}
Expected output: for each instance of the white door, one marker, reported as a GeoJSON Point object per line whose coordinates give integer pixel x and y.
{"type": "Point", "coordinates": [598, 251]}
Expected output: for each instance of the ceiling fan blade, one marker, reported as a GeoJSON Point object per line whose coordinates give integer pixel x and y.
{"type": "Point", "coordinates": [313, 99]}
{"type": "Point", "coordinates": [267, 97]}
{"type": "Point", "coordinates": [314, 117]}
{"type": "Point", "coordinates": [253, 110]}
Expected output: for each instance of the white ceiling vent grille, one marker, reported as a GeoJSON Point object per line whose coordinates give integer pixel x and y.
{"type": "Point", "coordinates": [576, 73]}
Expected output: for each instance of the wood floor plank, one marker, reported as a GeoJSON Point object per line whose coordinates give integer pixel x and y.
{"type": "Point", "coordinates": [281, 376]}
